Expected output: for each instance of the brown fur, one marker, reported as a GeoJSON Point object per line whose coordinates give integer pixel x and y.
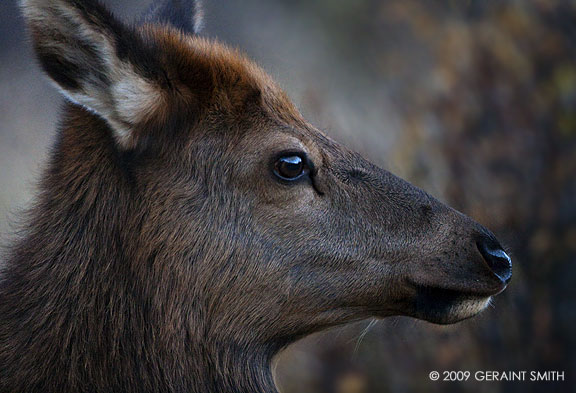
{"type": "Point", "coordinates": [163, 255]}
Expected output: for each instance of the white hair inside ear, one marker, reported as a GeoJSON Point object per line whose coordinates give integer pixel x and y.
{"type": "Point", "coordinates": [78, 49]}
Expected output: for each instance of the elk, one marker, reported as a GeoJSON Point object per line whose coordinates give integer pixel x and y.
{"type": "Point", "coordinates": [191, 224]}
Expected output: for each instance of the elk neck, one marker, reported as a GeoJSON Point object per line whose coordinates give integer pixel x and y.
{"type": "Point", "coordinates": [74, 300]}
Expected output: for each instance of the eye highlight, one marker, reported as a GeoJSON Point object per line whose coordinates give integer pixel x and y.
{"type": "Point", "coordinates": [290, 167]}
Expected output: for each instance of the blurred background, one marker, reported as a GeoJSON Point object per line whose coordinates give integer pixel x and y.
{"type": "Point", "coordinates": [472, 100]}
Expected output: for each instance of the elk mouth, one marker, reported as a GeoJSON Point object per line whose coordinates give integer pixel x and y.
{"type": "Point", "coordinates": [448, 305]}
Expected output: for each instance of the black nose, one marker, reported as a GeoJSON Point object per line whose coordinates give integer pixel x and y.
{"type": "Point", "coordinates": [497, 259]}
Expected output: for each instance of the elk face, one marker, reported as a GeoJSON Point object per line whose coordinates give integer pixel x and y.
{"type": "Point", "coordinates": [260, 222]}
{"type": "Point", "coordinates": [351, 240]}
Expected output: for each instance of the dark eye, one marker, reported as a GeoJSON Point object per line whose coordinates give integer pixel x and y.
{"type": "Point", "coordinates": [290, 167]}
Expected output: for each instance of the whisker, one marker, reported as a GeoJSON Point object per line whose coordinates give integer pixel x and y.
{"type": "Point", "coordinates": [362, 335]}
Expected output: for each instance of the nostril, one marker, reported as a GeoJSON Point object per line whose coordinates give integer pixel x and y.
{"type": "Point", "coordinates": [498, 261]}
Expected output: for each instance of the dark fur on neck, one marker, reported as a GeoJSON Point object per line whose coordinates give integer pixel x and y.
{"type": "Point", "coordinates": [75, 313]}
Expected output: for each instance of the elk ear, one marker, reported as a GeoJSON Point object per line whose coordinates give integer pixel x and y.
{"type": "Point", "coordinates": [185, 15]}
{"type": "Point", "coordinates": [96, 61]}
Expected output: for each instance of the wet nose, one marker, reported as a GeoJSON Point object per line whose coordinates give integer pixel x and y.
{"type": "Point", "coordinates": [496, 258]}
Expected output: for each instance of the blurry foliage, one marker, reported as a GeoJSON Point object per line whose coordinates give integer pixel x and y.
{"type": "Point", "coordinates": [489, 122]}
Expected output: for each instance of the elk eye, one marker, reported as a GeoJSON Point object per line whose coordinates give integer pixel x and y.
{"type": "Point", "coordinates": [290, 167]}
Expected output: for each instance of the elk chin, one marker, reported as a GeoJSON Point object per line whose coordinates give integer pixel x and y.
{"type": "Point", "coordinates": [445, 306]}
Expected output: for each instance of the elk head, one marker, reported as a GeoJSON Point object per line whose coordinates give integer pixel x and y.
{"type": "Point", "coordinates": [243, 223]}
